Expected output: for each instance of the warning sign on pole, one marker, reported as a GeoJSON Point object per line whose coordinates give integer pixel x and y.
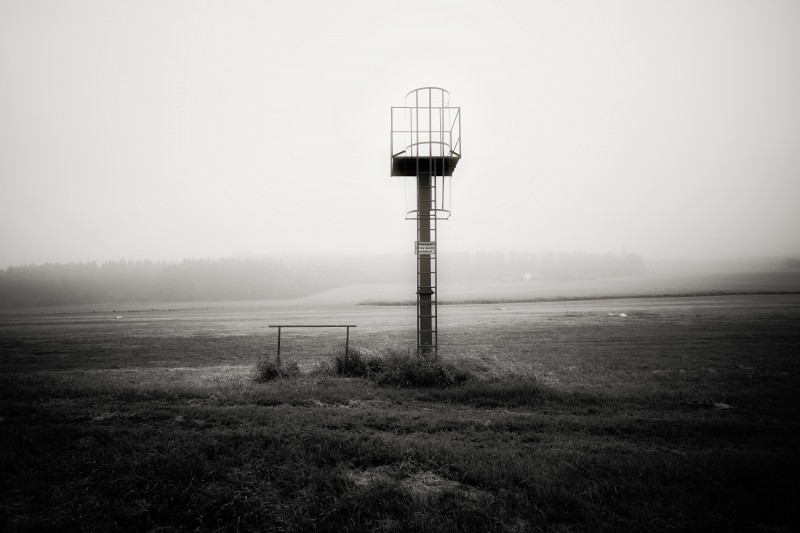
{"type": "Point", "coordinates": [426, 248]}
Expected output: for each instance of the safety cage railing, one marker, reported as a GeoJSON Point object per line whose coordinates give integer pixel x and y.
{"type": "Point", "coordinates": [426, 127]}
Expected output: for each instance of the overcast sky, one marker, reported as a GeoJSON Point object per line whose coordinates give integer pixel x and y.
{"type": "Point", "coordinates": [167, 130]}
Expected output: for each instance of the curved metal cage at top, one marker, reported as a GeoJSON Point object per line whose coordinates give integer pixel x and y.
{"type": "Point", "coordinates": [426, 134]}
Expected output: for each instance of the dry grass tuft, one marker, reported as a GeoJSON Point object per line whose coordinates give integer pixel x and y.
{"type": "Point", "coordinates": [270, 369]}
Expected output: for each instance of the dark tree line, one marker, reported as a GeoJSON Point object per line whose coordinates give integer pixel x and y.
{"type": "Point", "coordinates": [188, 280]}
{"type": "Point", "coordinates": [279, 277]}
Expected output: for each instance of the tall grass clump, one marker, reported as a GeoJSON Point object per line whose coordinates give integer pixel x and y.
{"type": "Point", "coordinates": [269, 369]}
{"type": "Point", "coordinates": [411, 371]}
{"type": "Point", "coordinates": [358, 362]}
{"type": "Point", "coordinates": [398, 369]}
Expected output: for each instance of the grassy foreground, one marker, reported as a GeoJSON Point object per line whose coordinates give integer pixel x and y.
{"type": "Point", "coordinates": [677, 434]}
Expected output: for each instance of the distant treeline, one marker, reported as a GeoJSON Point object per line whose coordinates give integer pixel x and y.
{"type": "Point", "coordinates": [188, 280]}
{"type": "Point", "coordinates": [279, 277]}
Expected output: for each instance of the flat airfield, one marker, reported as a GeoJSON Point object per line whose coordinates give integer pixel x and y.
{"type": "Point", "coordinates": [600, 414]}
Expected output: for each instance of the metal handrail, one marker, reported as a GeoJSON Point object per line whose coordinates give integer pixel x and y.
{"type": "Point", "coordinates": [412, 145]}
{"type": "Point", "coordinates": [347, 339]}
{"type": "Point", "coordinates": [434, 211]}
{"type": "Point", "coordinates": [438, 131]}
{"type": "Point", "coordinates": [444, 91]}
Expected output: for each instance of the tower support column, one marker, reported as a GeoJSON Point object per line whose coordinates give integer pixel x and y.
{"type": "Point", "coordinates": [426, 271]}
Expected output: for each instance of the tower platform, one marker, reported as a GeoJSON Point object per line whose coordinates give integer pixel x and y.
{"type": "Point", "coordinates": [426, 165]}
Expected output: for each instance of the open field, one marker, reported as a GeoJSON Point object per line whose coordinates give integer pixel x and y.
{"type": "Point", "coordinates": [682, 415]}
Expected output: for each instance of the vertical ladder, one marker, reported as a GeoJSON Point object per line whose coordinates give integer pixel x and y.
{"type": "Point", "coordinates": [427, 308]}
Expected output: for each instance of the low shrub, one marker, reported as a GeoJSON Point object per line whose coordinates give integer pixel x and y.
{"type": "Point", "coordinates": [410, 371]}
{"type": "Point", "coordinates": [394, 369]}
{"type": "Point", "coordinates": [269, 369]}
{"type": "Point", "coordinates": [358, 362]}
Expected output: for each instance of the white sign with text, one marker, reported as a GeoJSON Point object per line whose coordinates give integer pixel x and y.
{"type": "Point", "coordinates": [426, 248]}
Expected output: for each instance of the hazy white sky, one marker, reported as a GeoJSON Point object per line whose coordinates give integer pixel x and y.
{"type": "Point", "coordinates": [172, 129]}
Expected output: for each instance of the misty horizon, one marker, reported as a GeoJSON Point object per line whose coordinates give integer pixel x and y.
{"type": "Point", "coordinates": [406, 259]}
{"type": "Point", "coordinates": [386, 277]}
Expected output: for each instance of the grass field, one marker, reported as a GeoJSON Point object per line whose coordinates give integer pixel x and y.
{"type": "Point", "coordinates": [682, 415]}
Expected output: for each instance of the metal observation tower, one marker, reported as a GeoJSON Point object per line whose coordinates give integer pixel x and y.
{"type": "Point", "coordinates": [426, 145]}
